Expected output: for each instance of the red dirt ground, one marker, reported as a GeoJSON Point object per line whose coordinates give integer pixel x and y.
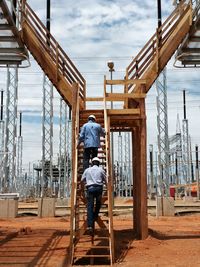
{"type": "Point", "coordinates": [32, 241]}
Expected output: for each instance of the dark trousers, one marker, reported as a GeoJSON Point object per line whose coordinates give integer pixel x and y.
{"type": "Point", "coordinates": [94, 196]}
{"type": "Point", "coordinates": [89, 152]}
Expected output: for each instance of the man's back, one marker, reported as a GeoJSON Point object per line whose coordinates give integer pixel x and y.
{"type": "Point", "coordinates": [94, 176]}
{"type": "Point", "coordinates": [90, 134]}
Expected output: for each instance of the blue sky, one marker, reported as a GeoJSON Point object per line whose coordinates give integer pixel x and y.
{"type": "Point", "coordinates": [93, 32]}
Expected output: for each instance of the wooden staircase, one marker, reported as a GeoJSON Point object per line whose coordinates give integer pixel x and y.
{"type": "Point", "coordinates": [50, 56]}
{"type": "Point", "coordinates": [156, 53]}
{"type": "Point", "coordinates": [99, 246]}
{"type": "Point", "coordinates": [12, 49]}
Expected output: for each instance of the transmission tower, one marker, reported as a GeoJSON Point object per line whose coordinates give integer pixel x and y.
{"type": "Point", "coordinates": [69, 153]}
{"type": "Point", "coordinates": [47, 137]}
{"type": "Point", "coordinates": [127, 165]}
{"type": "Point", "coordinates": [62, 149]}
{"type": "Point", "coordinates": [119, 180]}
{"type": "Point", "coordinates": [2, 129]}
{"type": "Point", "coordinates": [9, 179]}
{"type": "Point", "coordinates": [20, 185]}
{"type": "Point", "coordinates": [162, 125]}
{"type": "Point", "coordinates": [179, 153]}
{"type": "Point", "coordinates": [186, 145]}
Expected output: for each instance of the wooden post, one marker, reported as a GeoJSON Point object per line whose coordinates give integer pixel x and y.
{"type": "Point", "coordinates": [74, 169]}
{"type": "Point", "coordinates": [140, 175]}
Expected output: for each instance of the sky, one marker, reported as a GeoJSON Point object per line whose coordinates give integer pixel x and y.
{"type": "Point", "coordinates": [92, 33]}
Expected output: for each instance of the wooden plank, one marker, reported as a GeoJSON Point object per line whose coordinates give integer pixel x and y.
{"type": "Point", "coordinates": [97, 99]}
{"type": "Point", "coordinates": [129, 111]}
{"type": "Point", "coordinates": [123, 96]}
{"type": "Point", "coordinates": [8, 39]}
{"type": "Point", "coordinates": [126, 82]}
{"type": "Point", "coordinates": [5, 27]}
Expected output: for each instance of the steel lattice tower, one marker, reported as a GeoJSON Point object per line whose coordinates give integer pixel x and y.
{"type": "Point", "coordinates": [162, 125]}
{"type": "Point", "coordinates": [120, 167]}
{"type": "Point", "coordinates": [62, 149]}
{"type": "Point", "coordinates": [11, 130]}
{"type": "Point", "coordinates": [47, 137]}
{"type": "Point", "coordinates": [127, 166]}
{"type": "Point", "coordinates": [69, 154]}
{"type": "Point", "coordinates": [185, 145]}
{"type": "Point", "coordinates": [20, 185]}
{"type": "Point", "coordinates": [2, 129]}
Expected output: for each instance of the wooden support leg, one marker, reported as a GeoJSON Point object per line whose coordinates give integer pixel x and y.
{"type": "Point", "coordinates": [140, 184]}
{"type": "Point", "coordinates": [139, 181]}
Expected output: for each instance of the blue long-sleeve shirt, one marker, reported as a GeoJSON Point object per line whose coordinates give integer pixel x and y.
{"type": "Point", "coordinates": [90, 134]}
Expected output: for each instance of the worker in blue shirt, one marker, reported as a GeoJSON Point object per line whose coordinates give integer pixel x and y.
{"type": "Point", "coordinates": [94, 178]}
{"type": "Point", "coordinates": [90, 135]}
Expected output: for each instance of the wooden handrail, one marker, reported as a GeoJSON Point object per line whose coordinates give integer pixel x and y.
{"type": "Point", "coordinates": [109, 174]}
{"type": "Point", "coordinates": [142, 61]}
{"type": "Point", "coordinates": [63, 63]}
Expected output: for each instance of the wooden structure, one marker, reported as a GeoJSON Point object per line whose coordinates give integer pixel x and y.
{"type": "Point", "coordinates": [140, 75]}
{"type": "Point", "coordinates": [189, 51]}
{"type": "Point", "coordinates": [12, 49]}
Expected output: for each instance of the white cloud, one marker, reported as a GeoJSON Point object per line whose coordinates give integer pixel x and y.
{"type": "Point", "coordinates": [100, 30]}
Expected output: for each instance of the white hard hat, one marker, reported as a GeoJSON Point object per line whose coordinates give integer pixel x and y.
{"type": "Point", "coordinates": [96, 159]}
{"type": "Point", "coordinates": [92, 117]}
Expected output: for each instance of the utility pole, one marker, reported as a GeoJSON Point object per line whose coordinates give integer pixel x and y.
{"type": "Point", "coordinates": [151, 171]}
{"type": "Point", "coordinates": [111, 70]}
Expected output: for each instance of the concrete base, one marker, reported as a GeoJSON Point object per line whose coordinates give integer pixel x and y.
{"type": "Point", "coordinates": [165, 206]}
{"type": "Point", "coordinates": [46, 207]}
{"type": "Point", "coordinates": [8, 208]}
{"type": "Point", "coordinates": [62, 202]}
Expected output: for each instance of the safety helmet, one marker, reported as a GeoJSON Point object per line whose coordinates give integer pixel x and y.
{"type": "Point", "coordinates": [92, 117]}
{"type": "Point", "coordinates": [96, 159]}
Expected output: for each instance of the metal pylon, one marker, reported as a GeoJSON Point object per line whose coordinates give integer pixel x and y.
{"type": "Point", "coordinates": [119, 182]}
{"type": "Point", "coordinates": [62, 149]}
{"type": "Point", "coordinates": [47, 138]}
{"type": "Point", "coordinates": [20, 185]}
{"type": "Point", "coordinates": [162, 125]}
{"type": "Point", "coordinates": [9, 178]}
{"type": "Point", "coordinates": [69, 154]}
{"type": "Point", "coordinates": [127, 165]}
{"type": "Point", "coordinates": [186, 152]}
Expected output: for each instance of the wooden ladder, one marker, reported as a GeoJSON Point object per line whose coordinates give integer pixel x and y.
{"type": "Point", "coordinates": [98, 247]}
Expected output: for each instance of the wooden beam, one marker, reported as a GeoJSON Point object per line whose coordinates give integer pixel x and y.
{"type": "Point", "coordinates": [194, 39]}
{"type": "Point", "coordinates": [97, 99]}
{"type": "Point", "coordinates": [123, 96]}
{"type": "Point", "coordinates": [129, 111]}
{"type": "Point", "coordinates": [190, 50]}
{"type": "Point", "coordinates": [139, 136]}
{"type": "Point", "coordinates": [126, 82]}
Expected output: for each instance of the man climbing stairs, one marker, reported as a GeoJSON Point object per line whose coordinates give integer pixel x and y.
{"type": "Point", "coordinates": [97, 245]}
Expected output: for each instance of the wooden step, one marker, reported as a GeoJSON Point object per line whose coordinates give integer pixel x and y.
{"type": "Point", "coordinates": [91, 256]}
